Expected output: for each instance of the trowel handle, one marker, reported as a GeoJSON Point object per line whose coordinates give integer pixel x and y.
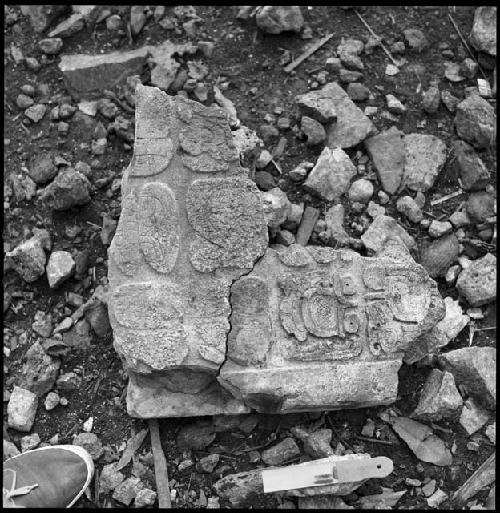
{"type": "Point", "coordinates": [350, 471]}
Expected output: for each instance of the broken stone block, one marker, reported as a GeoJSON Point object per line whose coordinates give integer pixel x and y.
{"type": "Point", "coordinates": [439, 398]}
{"type": "Point", "coordinates": [21, 409]}
{"type": "Point", "coordinates": [192, 223]}
{"type": "Point", "coordinates": [87, 76]}
{"type": "Point", "coordinates": [478, 283]}
{"type": "Point", "coordinates": [381, 230]}
{"type": "Point", "coordinates": [473, 417]}
{"type": "Point", "coordinates": [425, 155]}
{"type": "Point", "coordinates": [28, 259]}
{"type": "Point", "coordinates": [441, 334]}
{"type": "Point", "coordinates": [331, 175]}
{"type": "Point", "coordinates": [475, 368]}
{"type": "Point", "coordinates": [209, 320]}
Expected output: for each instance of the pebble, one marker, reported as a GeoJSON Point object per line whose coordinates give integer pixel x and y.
{"type": "Point", "coordinates": [407, 206]}
{"type": "Point", "coordinates": [431, 100]}
{"type": "Point", "coordinates": [197, 436]}
{"type": "Point", "coordinates": [21, 409]}
{"type": "Point", "coordinates": [452, 274]}
{"type": "Point", "coordinates": [361, 191]}
{"type": "Point", "coordinates": [30, 442]}
{"type": "Point", "coordinates": [28, 259]}
{"type": "Point", "coordinates": [437, 498]}
{"type": "Point", "coordinates": [475, 122]}
{"type": "Point", "coordinates": [109, 478]}
{"type": "Point", "coordinates": [438, 256]}
{"type": "Point", "coordinates": [450, 101]}
{"type": "Point", "coordinates": [69, 189]}
{"type": "Point", "coordinates": [416, 39]}
{"type": "Point", "coordinates": [145, 497]}
{"type": "Point", "coordinates": [473, 417]}
{"type": "Point", "coordinates": [128, 489]}
{"type": "Point", "coordinates": [51, 400]}
{"type": "Point", "coordinates": [477, 284]}
{"type": "Point", "coordinates": [281, 453]}
{"type": "Point", "coordinates": [358, 92]}
{"type": "Point", "coordinates": [51, 45]}
{"type": "Point", "coordinates": [394, 105]}
{"type": "Point", "coordinates": [36, 112]}
{"type": "Point", "coordinates": [23, 101]}
{"type": "Point", "coordinates": [313, 130]}
{"type": "Point", "coordinates": [300, 172]}
{"type": "Point", "coordinates": [480, 206]}
{"type": "Point", "coordinates": [32, 64]}
{"type": "Point", "coordinates": [439, 228]}
{"type": "Point", "coordinates": [91, 443]}
{"type": "Point", "coordinates": [59, 268]}
{"type": "Point", "coordinates": [208, 463]}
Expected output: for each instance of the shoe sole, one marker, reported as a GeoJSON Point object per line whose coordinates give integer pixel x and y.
{"type": "Point", "coordinates": [79, 451]}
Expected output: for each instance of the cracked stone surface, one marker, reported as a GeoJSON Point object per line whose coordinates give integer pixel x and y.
{"type": "Point", "coordinates": [210, 320]}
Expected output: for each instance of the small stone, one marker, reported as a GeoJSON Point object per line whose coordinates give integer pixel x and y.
{"type": "Point", "coordinates": [59, 268]}
{"type": "Point", "coordinates": [453, 72]}
{"type": "Point", "coordinates": [331, 175]}
{"type": "Point", "coordinates": [21, 409]}
{"type": "Point", "coordinates": [459, 219]}
{"type": "Point", "coordinates": [439, 228]}
{"type": "Point", "coordinates": [281, 453]}
{"type": "Point", "coordinates": [300, 172]}
{"type": "Point", "coordinates": [347, 76]}
{"type": "Point", "coordinates": [480, 206]}
{"type": "Point", "coordinates": [473, 417]}
{"type": "Point", "coordinates": [439, 398]}
{"type": "Point", "coordinates": [127, 490]}
{"type": "Point", "coordinates": [437, 498]}
{"type": "Point", "coordinates": [276, 207]}
{"type": "Point", "coordinates": [317, 443]}
{"type": "Point", "coordinates": [145, 497]}
{"type": "Point", "coordinates": [452, 274]}
{"type": "Point", "coordinates": [28, 259]}
{"type": "Point", "coordinates": [438, 256]}
{"type": "Point", "coordinates": [197, 436]}
{"type": "Point", "coordinates": [416, 39]}
{"type": "Point", "coordinates": [9, 450]}
{"type": "Point", "coordinates": [394, 105]}
{"type": "Point", "coordinates": [279, 18]}
{"type": "Point", "coordinates": [469, 67]}
{"type": "Point", "coordinates": [407, 206]}
{"type": "Point", "coordinates": [431, 100]}
{"type": "Point", "coordinates": [477, 284]}
{"type": "Point", "coordinates": [32, 64]}
{"type": "Point", "coordinates": [381, 230]}
{"type": "Point", "coordinates": [490, 432]}
{"type": "Point", "coordinates": [69, 189]}
{"type": "Point", "coordinates": [91, 443]}
{"type": "Point", "coordinates": [109, 478]}
{"type": "Point", "coordinates": [264, 159]}
{"type": "Point", "coordinates": [137, 18]}
{"type": "Point", "coordinates": [208, 463]}
{"type": "Point", "coordinates": [475, 122]}
{"type": "Point", "coordinates": [313, 130]}
{"type": "Point", "coordinates": [429, 488]}
{"type": "Point", "coordinates": [51, 45]}
{"type": "Point", "coordinates": [413, 482]}
{"type": "Point", "coordinates": [36, 112]}
{"type": "Point", "coordinates": [483, 36]}
{"type": "Point", "coordinates": [30, 442]}
{"type": "Point", "coordinates": [113, 23]}
{"type": "Point", "coordinates": [361, 191]}
{"type": "Point", "coordinates": [285, 237]}
{"type": "Point", "coordinates": [473, 173]}
{"type": "Point", "coordinates": [391, 70]}
{"type": "Point", "coordinates": [358, 92]}
{"type": "Point", "coordinates": [318, 107]}
{"type": "Point", "coordinates": [23, 101]}
{"type": "Point", "coordinates": [68, 381]}
{"type": "Point", "coordinates": [349, 52]}
{"type": "Point", "coordinates": [333, 64]}
{"type": "Point", "coordinates": [51, 401]}
{"type": "Point", "coordinates": [449, 100]}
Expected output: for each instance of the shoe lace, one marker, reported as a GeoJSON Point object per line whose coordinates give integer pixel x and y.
{"type": "Point", "coordinates": [14, 492]}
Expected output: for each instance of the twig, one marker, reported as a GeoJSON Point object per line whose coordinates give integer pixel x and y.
{"type": "Point", "coordinates": [394, 61]}
{"type": "Point", "coordinates": [487, 328]}
{"type": "Point", "coordinates": [96, 487]}
{"type": "Point", "coordinates": [132, 447]}
{"type": "Point", "coordinates": [73, 428]}
{"type": "Point", "coordinates": [483, 476]}
{"type": "Point", "coordinates": [316, 46]}
{"type": "Point", "coordinates": [374, 440]}
{"type": "Point", "coordinates": [161, 471]}
{"type": "Point", "coordinates": [446, 198]}
{"type": "Point", "coordinates": [466, 45]}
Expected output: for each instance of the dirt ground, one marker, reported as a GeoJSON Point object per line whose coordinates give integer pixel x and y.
{"type": "Point", "coordinates": [246, 58]}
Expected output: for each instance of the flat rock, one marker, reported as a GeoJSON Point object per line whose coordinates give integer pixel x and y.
{"type": "Point", "coordinates": [387, 152]}
{"type": "Point", "coordinates": [28, 259]}
{"type": "Point", "coordinates": [21, 409]}
{"type": "Point", "coordinates": [193, 236]}
{"type": "Point", "coordinates": [51, 45]}
{"type": "Point", "coordinates": [420, 438]}
{"type": "Point", "coordinates": [281, 453]}
{"type": "Point", "coordinates": [87, 76]}
{"type": "Point", "coordinates": [381, 230]}
{"type": "Point", "coordinates": [425, 155]}
{"type": "Point", "coordinates": [446, 330]}
{"type": "Point", "coordinates": [318, 105]}
{"type": "Point", "coordinates": [439, 398]}
{"type": "Point", "coordinates": [331, 175]}
{"type": "Point", "coordinates": [478, 283]}
{"type": "Point", "coordinates": [274, 19]}
{"type": "Point", "coordinates": [483, 36]}
{"type": "Point", "coordinates": [69, 189]}
{"type": "Point", "coordinates": [473, 417]}
{"type": "Point", "coordinates": [475, 368]}
{"type": "Point", "coordinates": [475, 122]}
{"type": "Point", "coordinates": [59, 268]}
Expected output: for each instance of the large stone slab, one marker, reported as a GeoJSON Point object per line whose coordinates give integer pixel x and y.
{"type": "Point", "coordinates": [316, 328]}
{"type": "Point", "coordinates": [208, 320]}
{"type": "Point", "coordinates": [191, 223]}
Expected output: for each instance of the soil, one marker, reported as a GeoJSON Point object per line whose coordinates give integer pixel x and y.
{"type": "Point", "coordinates": [246, 58]}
